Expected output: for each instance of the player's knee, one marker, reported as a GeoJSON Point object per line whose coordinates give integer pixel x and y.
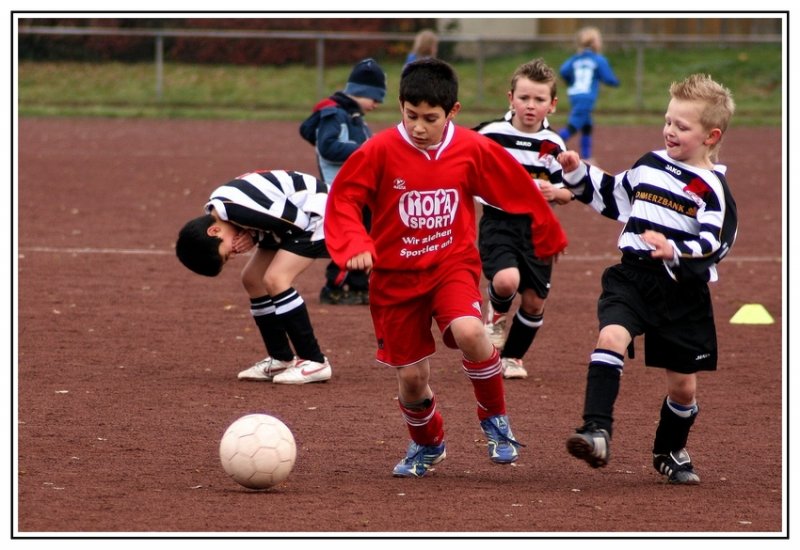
{"type": "Point", "coordinates": [615, 338]}
{"type": "Point", "coordinates": [532, 303]}
{"type": "Point", "coordinates": [468, 332]}
{"type": "Point", "coordinates": [682, 388]}
{"type": "Point", "coordinates": [276, 282]}
{"type": "Point", "coordinates": [470, 336]}
{"type": "Point", "coordinates": [252, 282]}
{"type": "Point", "coordinates": [412, 380]}
{"type": "Point", "coordinates": [505, 282]}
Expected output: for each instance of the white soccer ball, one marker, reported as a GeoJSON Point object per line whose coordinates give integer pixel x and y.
{"type": "Point", "coordinates": [258, 451]}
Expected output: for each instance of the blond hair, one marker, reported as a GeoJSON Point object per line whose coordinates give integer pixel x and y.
{"type": "Point", "coordinates": [589, 37]}
{"type": "Point", "coordinates": [535, 70]}
{"type": "Point", "coordinates": [425, 43]}
{"type": "Point", "coordinates": [718, 103]}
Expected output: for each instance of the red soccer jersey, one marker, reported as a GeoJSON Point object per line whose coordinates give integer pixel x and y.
{"type": "Point", "coordinates": [423, 213]}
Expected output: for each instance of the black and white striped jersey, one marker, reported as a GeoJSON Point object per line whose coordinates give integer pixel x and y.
{"type": "Point", "coordinates": [536, 152]}
{"type": "Point", "coordinates": [278, 201]}
{"type": "Point", "coordinates": [691, 206]}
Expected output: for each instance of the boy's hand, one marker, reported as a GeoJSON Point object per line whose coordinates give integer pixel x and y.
{"type": "Point", "coordinates": [551, 193]}
{"type": "Point", "coordinates": [569, 161]}
{"type": "Point", "coordinates": [662, 249]}
{"type": "Point", "coordinates": [360, 262]}
{"type": "Point", "coordinates": [243, 242]}
{"type": "Point", "coordinates": [547, 189]}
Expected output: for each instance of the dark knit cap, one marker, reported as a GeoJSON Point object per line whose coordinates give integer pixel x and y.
{"type": "Point", "coordinates": [367, 79]}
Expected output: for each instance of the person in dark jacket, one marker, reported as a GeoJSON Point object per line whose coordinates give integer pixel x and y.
{"type": "Point", "coordinates": [336, 128]}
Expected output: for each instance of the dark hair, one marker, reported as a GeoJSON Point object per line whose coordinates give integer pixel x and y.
{"type": "Point", "coordinates": [198, 250]}
{"type": "Point", "coordinates": [430, 80]}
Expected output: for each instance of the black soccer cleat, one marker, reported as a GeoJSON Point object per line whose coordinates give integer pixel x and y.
{"type": "Point", "coordinates": [677, 466]}
{"type": "Point", "coordinates": [590, 444]}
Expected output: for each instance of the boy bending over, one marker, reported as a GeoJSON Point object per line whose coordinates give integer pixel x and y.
{"type": "Point", "coordinates": [280, 213]}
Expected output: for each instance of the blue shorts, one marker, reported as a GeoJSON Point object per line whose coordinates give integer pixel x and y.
{"type": "Point", "coordinates": [580, 114]}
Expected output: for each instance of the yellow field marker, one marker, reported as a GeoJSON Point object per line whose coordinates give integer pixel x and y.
{"type": "Point", "coordinates": [752, 314]}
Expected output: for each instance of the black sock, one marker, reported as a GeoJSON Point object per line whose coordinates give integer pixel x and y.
{"type": "Point", "coordinates": [272, 333]}
{"type": "Point", "coordinates": [520, 337]}
{"type": "Point", "coordinates": [673, 430]}
{"type": "Point", "coordinates": [602, 388]}
{"type": "Point", "coordinates": [292, 314]}
{"type": "Point", "coordinates": [501, 304]}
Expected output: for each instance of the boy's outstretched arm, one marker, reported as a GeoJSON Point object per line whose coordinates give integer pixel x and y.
{"type": "Point", "coordinates": [605, 193]}
{"type": "Point", "coordinates": [519, 194]}
{"type": "Point", "coordinates": [569, 161]}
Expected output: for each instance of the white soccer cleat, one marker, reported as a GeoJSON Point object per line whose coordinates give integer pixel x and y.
{"type": "Point", "coordinates": [305, 372]}
{"type": "Point", "coordinates": [265, 370]}
{"type": "Point", "coordinates": [495, 326]}
{"type": "Point", "coordinates": [512, 368]}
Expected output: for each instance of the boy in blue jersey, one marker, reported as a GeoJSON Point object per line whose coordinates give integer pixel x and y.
{"type": "Point", "coordinates": [680, 221]}
{"type": "Point", "coordinates": [426, 44]}
{"type": "Point", "coordinates": [583, 73]}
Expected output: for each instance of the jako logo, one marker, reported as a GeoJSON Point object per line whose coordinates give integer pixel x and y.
{"type": "Point", "coordinates": [673, 169]}
{"type": "Point", "coordinates": [428, 209]}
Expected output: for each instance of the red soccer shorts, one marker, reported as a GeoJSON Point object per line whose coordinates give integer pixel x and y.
{"type": "Point", "coordinates": [404, 303]}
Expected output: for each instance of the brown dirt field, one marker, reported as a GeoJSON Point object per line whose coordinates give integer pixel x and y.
{"type": "Point", "coordinates": [126, 372]}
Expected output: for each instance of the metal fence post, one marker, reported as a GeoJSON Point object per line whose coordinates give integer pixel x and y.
{"type": "Point", "coordinates": [320, 68]}
{"type": "Point", "coordinates": [159, 66]}
{"type": "Point", "coordinates": [640, 76]}
{"type": "Point", "coordinates": [479, 71]}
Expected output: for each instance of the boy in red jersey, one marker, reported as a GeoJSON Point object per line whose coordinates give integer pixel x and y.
{"type": "Point", "coordinates": [419, 180]}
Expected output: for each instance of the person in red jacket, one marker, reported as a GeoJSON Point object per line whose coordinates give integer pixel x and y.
{"type": "Point", "coordinates": [419, 179]}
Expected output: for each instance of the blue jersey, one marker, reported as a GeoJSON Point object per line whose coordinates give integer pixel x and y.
{"type": "Point", "coordinates": [583, 73]}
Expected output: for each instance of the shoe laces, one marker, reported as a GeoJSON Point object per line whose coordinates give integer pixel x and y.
{"type": "Point", "coordinates": [498, 434]}
{"type": "Point", "coordinates": [588, 428]}
{"type": "Point", "coordinates": [419, 452]}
